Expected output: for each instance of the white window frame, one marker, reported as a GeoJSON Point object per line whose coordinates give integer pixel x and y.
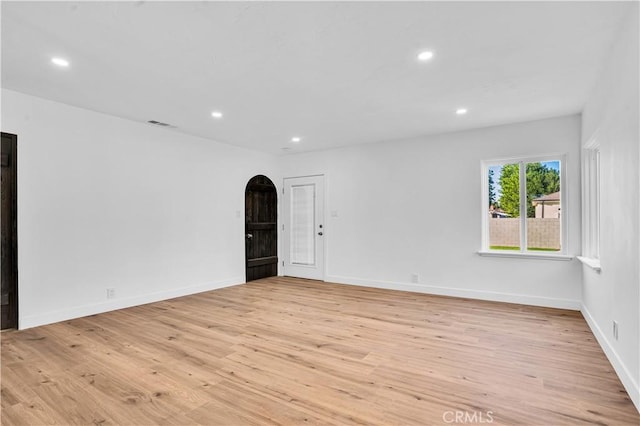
{"type": "Point", "coordinates": [564, 234]}
{"type": "Point", "coordinates": [591, 203]}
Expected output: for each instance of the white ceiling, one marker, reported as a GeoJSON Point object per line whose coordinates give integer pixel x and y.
{"type": "Point", "coordinates": [333, 73]}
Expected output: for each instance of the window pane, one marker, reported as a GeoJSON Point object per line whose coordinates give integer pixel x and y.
{"type": "Point", "coordinates": [302, 225]}
{"type": "Point", "coordinates": [591, 200]}
{"type": "Point", "coordinates": [543, 206]}
{"type": "Point", "coordinates": [504, 207]}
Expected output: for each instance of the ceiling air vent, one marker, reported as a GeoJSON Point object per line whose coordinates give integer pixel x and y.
{"type": "Point", "coordinates": [159, 123]}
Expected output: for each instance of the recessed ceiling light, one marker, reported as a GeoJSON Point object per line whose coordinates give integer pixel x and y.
{"type": "Point", "coordinates": [425, 56]}
{"type": "Point", "coordinates": [461, 111]}
{"type": "Point", "coordinates": [61, 62]}
{"type": "Point", "coordinates": [296, 139]}
{"type": "Point", "coordinates": [216, 114]}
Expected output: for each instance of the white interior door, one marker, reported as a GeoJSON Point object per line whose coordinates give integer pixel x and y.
{"type": "Point", "coordinates": [304, 227]}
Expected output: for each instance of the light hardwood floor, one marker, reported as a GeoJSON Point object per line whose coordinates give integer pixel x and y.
{"type": "Point", "coordinates": [290, 351]}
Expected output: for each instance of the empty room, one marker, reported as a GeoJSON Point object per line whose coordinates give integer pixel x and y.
{"type": "Point", "coordinates": [330, 213]}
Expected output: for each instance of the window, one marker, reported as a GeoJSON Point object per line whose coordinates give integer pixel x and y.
{"type": "Point", "coordinates": [523, 206]}
{"type": "Point", "coordinates": [591, 200]}
{"type": "Point", "coordinates": [303, 224]}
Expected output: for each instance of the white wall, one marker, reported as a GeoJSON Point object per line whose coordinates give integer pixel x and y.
{"type": "Point", "coordinates": [611, 115]}
{"type": "Point", "coordinates": [414, 206]}
{"type": "Point", "coordinates": [105, 202]}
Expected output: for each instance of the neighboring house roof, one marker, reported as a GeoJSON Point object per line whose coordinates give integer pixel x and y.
{"type": "Point", "coordinates": [554, 196]}
{"type": "Point", "coordinates": [496, 213]}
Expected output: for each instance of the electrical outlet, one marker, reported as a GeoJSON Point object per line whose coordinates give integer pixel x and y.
{"type": "Point", "coordinates": [415, 278]}
{"type": "Point", "coordinates": [615, 329]}
{"type": "Point", "coordinates": [111, 293]}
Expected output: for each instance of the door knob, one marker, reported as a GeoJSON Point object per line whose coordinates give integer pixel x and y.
{"type": "Point", "coordinates": [319, 233]}
{"type": "Point", "coordinates": [249, 236]}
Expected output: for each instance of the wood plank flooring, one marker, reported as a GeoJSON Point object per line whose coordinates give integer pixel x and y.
{"type": "Point", "coordinates": [290, 351]}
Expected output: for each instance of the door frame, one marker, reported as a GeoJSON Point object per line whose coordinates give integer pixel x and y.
{"type": "Point", "coordinates": [323, 209]}
{"type": "Point", "coordinates": [14, 208]}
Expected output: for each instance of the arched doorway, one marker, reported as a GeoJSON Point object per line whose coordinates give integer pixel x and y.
{"type": "Point", "coordinates": [261, 228]}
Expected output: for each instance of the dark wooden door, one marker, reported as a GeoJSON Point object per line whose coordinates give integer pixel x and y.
{"type": "Point", "coordinates": [8, 250]}
{"type": "Point", "coordinates": [261, 228]}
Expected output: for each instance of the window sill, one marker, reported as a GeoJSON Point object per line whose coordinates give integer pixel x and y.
{"type": "Point", "coordinates": [521, 255]}
{"type": "Point", "coordinates": [590, 262]}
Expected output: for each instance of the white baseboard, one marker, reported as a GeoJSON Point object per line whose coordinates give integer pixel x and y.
{"type": "Point", "coordinates": [115, 304]}
{"type": "Point", "coordinates": [628, 381]}
{"type": "Point", "coordinates": [494, 296]}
